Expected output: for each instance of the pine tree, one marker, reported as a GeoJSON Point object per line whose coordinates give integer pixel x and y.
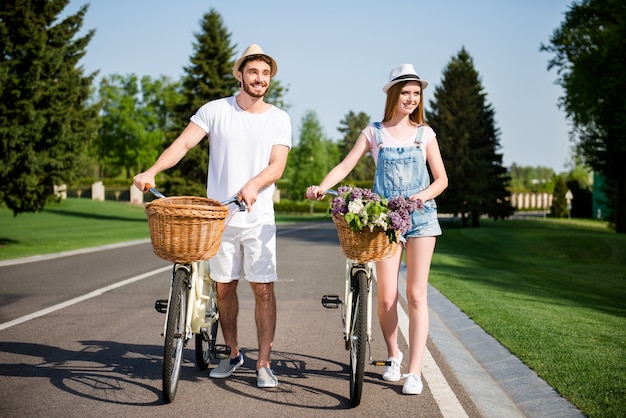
{"type": "Point", "coordinates": [208, 77]}
{"type": "Point", "coordinates": [469, 141]}
{"type": "Point", "coordinates": [45, 119]}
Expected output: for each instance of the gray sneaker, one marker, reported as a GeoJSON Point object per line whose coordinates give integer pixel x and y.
{"type": "Point", "coordinates": [265, 378]}
{"type": "Point", "coordinates": [226, 367]}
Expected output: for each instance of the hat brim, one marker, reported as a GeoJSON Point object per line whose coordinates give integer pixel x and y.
{"type": "Point", "coordinates": [387, 86]}
{"type": "Point", "coordinates": [237, 64]}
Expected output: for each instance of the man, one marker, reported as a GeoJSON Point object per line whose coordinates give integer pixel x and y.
{"type": "Point", "coordinates": [249, 141]}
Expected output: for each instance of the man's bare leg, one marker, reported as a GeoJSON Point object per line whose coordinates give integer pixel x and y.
{"type": "Point", "coordinates": [265, 315]}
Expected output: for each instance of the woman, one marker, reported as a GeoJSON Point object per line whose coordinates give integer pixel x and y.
{"type": "Point", "coordinates": [401, 145]}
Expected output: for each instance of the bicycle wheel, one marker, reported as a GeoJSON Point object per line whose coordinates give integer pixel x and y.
{"type": "Point", "coordinates": [205, 347]}
{"type": "Point", "coordinates": [175, 335]}
{"type": "Point", "coordinates": [358, 335]}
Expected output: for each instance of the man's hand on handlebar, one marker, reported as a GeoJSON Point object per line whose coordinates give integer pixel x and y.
{"type": "Point", "coordinates": [142, 180]}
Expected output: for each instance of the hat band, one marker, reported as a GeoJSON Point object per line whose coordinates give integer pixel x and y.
{"type": "Point", "coordinates": [406, 76]}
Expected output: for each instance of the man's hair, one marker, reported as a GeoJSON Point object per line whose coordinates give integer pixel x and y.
{"type": "Point", "coordinates": [255, 57]}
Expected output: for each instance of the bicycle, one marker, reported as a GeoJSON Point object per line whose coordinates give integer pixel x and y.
{"type": "Point", "coordinates": [191, 308]}
{"type": "Point", "coordinates": [356, 317]}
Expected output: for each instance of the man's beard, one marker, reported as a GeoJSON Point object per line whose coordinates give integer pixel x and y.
{"type": "Point", "coordinates": [254, 93]}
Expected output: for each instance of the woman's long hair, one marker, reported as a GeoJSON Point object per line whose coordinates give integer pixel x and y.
{"type": "Point", "coordinates": [393, 94]}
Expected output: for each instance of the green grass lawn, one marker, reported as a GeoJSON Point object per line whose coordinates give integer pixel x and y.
{"type": "Point", "coordinates": [69, 225]}
{"type": "Point", "coordinates": [80, 223]}
{"type": "Point", "coordinates": [552, 291]}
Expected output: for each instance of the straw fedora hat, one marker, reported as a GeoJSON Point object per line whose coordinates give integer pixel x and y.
{"type": "Point", "coordinates": [254, 49]}
{"type": "Point", "coordinates": [403, 72]}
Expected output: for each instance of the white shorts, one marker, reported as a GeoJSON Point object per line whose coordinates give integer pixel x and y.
{"type": "Point", "coordinates": [246, 252]}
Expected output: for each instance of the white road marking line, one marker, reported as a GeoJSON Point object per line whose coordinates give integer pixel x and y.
{"type": "Point", "coordinates": [52, 256]}
{"type": "Point", "coordinates": [448, 403]}
{"type": "Point", "coordinates": [78, 299]}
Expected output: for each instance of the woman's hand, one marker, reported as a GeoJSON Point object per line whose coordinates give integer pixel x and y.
{"type": "Point", "coordinates": [314, 193]}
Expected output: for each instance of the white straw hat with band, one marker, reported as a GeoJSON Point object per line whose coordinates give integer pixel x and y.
{"type": "Point", "coordinates": [254, 49]}
{"type": "Point", "coordinates": [403, 72]}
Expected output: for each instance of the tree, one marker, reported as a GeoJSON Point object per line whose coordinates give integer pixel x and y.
{"type": "Point", "coordinates": [276, 94]}
{"type": "Point", "coordinates": [469, 141]}
{"type": "Point", "coordinates": [208, 77]}
{"type": "Point", "coordinates": [351, 127]}
{"type": "Point", "coordinates": [531, 179]}
{"type": "Point", "coordinates": [46, 120]}
{"type": "Point", "coordinates": [311, 159]}
{"type": "Point", "coordinates": [559, 202]}
{"type": "Point", "coordinates": [135, 115]}
{"type": "Point", "coordinates": [589, 53]}
{"type": "Point", "coordinates": [579, 182]}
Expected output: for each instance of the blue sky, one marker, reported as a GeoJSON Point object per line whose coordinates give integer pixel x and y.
{"type": "Point", "coordinates": [335, 56]}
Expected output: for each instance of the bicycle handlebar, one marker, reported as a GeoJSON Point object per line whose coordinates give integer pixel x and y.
{"type": "Point", "coordinates": [241, 205]}
{"type": "Point", "coordinates": [154, 191]}
{"type": "Point", "coordinates": [330, 192]}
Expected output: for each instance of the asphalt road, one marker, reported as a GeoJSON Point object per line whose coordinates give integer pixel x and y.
{"type": "Point", "coordinates": [79, 337]}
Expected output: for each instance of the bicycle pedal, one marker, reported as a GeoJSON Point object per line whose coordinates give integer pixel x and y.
{"type": "Point", "coordinates": [221, 351]}
{"type": "Point", "coordinates": [331, 301]}
{"type": "Point", "coordinates": [381, 363]}
{"type": "Point", "coordinates": [161, 305]}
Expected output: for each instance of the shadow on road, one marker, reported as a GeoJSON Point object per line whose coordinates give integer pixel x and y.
{"type": "Point", "coordinates": [102, 370]}
{"type": "Point", "coordinates": [130, 374]}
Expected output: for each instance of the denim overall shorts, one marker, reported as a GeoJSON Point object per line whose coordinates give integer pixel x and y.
{"type": "Point", "coordinates": [402, 171]}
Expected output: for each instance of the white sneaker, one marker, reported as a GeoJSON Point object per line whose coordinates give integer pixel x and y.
{"type": "Point", "coordinates": [226, 367]}
{"type": "Point", "coordinates": [392, 371]}
{"type": "Point", "coordinates": [265, 378]}
{"type": "Point", "coordinates": [412, 385]}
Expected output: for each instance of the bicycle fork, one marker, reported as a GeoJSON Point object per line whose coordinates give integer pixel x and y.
{"type": "Point", "coordinates": [162, 305]}
{"type": "Point", "coordinates": [201, 291]}
{"type": "Point", "coordinates": [333, 302]}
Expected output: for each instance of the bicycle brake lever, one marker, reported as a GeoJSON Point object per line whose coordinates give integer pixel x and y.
{"type": "Point", "coordinates": [241, 204]}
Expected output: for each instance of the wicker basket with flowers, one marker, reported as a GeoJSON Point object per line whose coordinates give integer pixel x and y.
{"type": "Point", "coordinates": [368, 225]}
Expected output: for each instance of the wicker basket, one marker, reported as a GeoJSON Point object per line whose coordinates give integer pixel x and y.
{"type": "Point", "coordinates": [186, 228]}
{"type": "Point", "coordinates": [363, 246]}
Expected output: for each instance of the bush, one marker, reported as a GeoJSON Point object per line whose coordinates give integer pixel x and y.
{"type": "Point", "coordinates": [301, 206]}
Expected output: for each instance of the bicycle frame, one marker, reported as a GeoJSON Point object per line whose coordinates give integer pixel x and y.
{"type": "Point", "coordinates": [202, 287]}
{"type": "Point", "coordinates": [190, 309]}
{"type": "Point", "coordinates": [356, 315]}
{"type": "Point", "coordinates": [201, 290]}
{"type": "Point", "coordinates": [351, 268]}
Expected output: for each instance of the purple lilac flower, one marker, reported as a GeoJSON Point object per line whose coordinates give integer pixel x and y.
{"type": "Point", "coordinates": [344, 190]}
{"type": "Point", "coordinates": [402, 203]}
{"type": "Point", "coordinates": [400, 221]}
{"type": "Point", "coordinates": [338, 206]}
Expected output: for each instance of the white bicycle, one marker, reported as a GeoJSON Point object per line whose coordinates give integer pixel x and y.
{"type": "Point", "coordinates": [356, 316]}
{"type": "Point", "coordinates": [191, 310]}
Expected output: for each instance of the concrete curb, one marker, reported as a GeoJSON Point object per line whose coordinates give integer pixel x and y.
{"type": "Point", "coordinates": [498, 382]}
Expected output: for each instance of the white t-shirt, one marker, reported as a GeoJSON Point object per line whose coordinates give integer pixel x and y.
{"type": "Point", "coordinates": [240, 147]}
{"type": "Point", "coordinates": [389, 141]}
